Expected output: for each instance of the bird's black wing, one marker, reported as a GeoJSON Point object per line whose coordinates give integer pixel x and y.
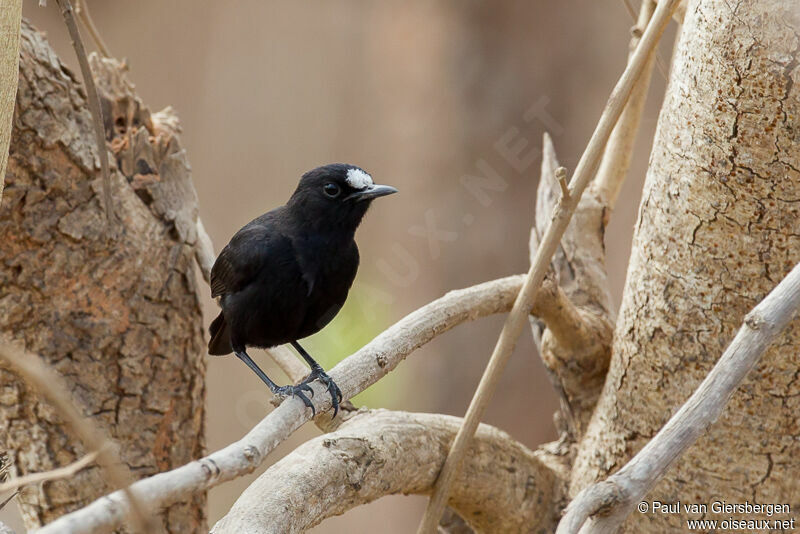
{"type": "Point", "coordinates": [241, 259]}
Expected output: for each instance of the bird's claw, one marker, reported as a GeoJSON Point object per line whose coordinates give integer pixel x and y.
{"type": "Point", "coordinates": [297, 391]}
{"type": "Point", "coordinates": [333, 389]}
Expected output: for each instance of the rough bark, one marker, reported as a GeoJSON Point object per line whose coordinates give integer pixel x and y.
{"type": "Point", "coordinates": [118, 318]}
{"type": "Point", "coordinates": [718, 228]}
{"type": "Point", "coordinates": [572, 327]}
{"type": "Point", "coordinates": [503, 487]}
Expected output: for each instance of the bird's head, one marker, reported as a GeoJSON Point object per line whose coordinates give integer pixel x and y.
{"type": "Point", "coordinates": [336, 196]}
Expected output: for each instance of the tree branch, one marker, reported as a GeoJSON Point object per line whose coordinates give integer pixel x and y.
{"type": "Point", "coordinates": [54, 474]}
{"type": "Point", "coordinates": [605, 505]}
{"type": "Point", "coordinates": [618, 153]}
{"type": "Point", "coordinates": [82, 9]}
{"type": "Point", "coordinates": [524, 302]}
{"type": "Point", "coordinates": [503, 488]}
{"type": "Point", "coordinates": [93, 100]}
{"type": "Point", "coordinates": [353, 375]}
{"type": "Point", "coordinates": [575, 346]}
{"type": "Point", "coordinates": [34, 372]}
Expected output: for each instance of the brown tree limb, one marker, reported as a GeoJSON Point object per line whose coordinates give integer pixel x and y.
{"type": "Point", "coordinates": [503, 488]}
{"type": "Point", "coordinates": [93, 100]}
{"type": "Point", "coordinates": [561, 218]}
{"type": "Point", "coordinates": [602, 507]}
{"type": "Point", "coordinates": [50, 385]}
{"type": "Point", "coordinates": [10, 20]}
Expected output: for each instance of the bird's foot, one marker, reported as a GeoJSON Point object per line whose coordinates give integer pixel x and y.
{"type": "Point", "coordinates": [297, 391]}
{"type": "Point", "coordinates": [333, 389]}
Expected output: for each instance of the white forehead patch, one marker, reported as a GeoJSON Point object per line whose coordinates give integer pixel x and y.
{"type": "Point", "coordinates": [358, 179]}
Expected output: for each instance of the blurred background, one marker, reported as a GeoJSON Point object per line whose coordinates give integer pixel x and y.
{"type": "Point", "coordinates": [420, 94]}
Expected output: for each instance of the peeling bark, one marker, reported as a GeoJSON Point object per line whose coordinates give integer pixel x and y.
{"type": "Point", "coordinates": [118, 318]}
{"type": "Point", "coordinates": [718, 228]}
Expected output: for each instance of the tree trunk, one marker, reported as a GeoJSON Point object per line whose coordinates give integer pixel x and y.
{"type": "Point", "coordinates": [116, 313]}
{"type": "Point", "coordinates": [718, 229]}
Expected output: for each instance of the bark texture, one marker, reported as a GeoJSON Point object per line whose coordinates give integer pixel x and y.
{"type": "Point", "coordinates": [117, 316]}
{"type": "Point", "coordinates": [503, 487]}
{"type": "Point", "coordinates": [718, 228]}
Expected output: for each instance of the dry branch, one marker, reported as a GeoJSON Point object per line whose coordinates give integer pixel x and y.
{"type": "Point", "coordinates": [617, 495]}
{"type": "Point", "coordinates": [33, 371]}
{"type": "Point", "coordinates": [561, 217]}
{"type": "Point", "coordinates": [54, 474]}
{"type": "Point", "coordinates": [94, 106]}
{"type": "Point", "coordinates": [619, 151]}
{"type": "Point", "coordinates": [503, 488]}
{"type": "Point", "coordinates": [10, 20]}
{"type": "Point", "coordinates": [82, 9]}
{"type": "Point", "coordinates": [575, 346]}
{"type": "Point", "coordinates": [353, 375]}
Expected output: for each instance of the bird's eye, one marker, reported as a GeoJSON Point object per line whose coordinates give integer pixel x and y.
{"type": "Point", "coordinates": [331, 189]}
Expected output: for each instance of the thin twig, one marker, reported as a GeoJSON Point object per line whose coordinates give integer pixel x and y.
{"type": "Point", "coordinates": [617, 495]}
{"type": "Point", "coordinates": [94, 106]}
{"type": "Point", "coordinates": [533, 281]}
{"type": "Point", "coordinates": [639, 29]}
{"type": "Point", "coordinates": [53, 474]}
{"type": "Point", "coordinates": [50, 385]}
{"type": "Point", "coordinates": [619, 152]}
{"type": "Point", "coordinates": [82, 9]}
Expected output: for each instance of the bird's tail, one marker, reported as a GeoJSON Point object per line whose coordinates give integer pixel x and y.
{"type": "Point", "coordinates": [220, 343]}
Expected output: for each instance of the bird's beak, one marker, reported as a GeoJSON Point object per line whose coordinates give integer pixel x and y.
{"type": "Point", "coordinates": [373, 191]}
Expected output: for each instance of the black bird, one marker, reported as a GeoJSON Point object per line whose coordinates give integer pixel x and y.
{"type": "Point", "coordinates": [286, 274]}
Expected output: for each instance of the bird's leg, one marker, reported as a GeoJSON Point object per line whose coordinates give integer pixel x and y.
{"type": "Point", "coordinates": [283, 391]}
{"type": "Point", "coordinates": [318, 372]}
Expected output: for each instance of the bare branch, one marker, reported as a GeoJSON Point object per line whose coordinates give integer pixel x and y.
{"type": "Point", "coordinates": [533, 281]}
{"type": "Point", "coordinates": [574, 303]}
{"type": "Point", "coordinates": [54, 474]}
{"type": "Point", "coordinates": [10, 20]}
{"type": "Point", "coordinates": [82, 9]}
{"type": "Point", "coordinates": [353, 375]}
{"type": "Point", "coordinates": [94, 106]}
{"type": "Point", "coordinates": [34, 372]}
{"type": "Point", "coordinates": [503, 488]}
{"type": "Point", "coordinates": [619, 151]}
{"type": "Point", "coordinates": [617, 495]}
